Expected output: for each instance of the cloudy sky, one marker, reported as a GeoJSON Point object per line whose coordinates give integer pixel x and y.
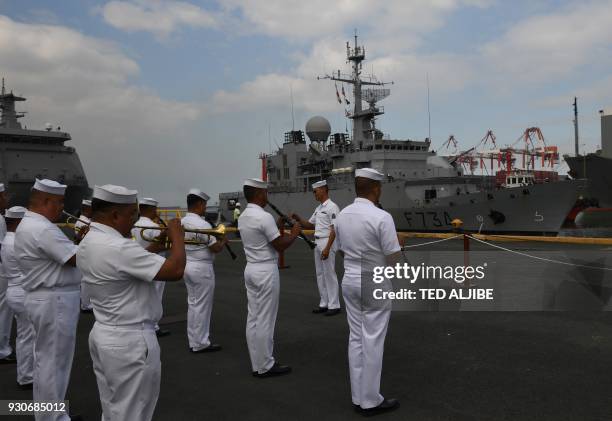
{"type": "Point", "coordinates": [166, 95]}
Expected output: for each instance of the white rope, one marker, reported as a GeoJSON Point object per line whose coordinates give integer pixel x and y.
{"type": "Point", "coordinates": [540, 258]}
{"type": "Point", "coordinates": [431, 242]}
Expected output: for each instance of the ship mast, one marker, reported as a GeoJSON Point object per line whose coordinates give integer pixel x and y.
{"type": "Point", "coordinates": [364, 129]}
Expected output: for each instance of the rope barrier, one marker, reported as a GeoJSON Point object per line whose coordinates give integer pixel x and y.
{"type": "Point", "coordinates": [432, 242]}
{"type": "Point", "coordinates": [538, 257]}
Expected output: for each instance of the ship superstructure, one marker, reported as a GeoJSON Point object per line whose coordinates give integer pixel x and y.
{"type": "Point", "coordinates": [29, 154]}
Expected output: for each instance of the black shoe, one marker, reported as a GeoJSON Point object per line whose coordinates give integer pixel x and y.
{"type": "Point", "coordinates": [9, 359]}
{"type": "Point", "coordinates": [385, 406]}
{"type": "Point", "coordinates": [76, 417]}
{"type": "Point", "coordinates": [319, 310]}
{"type": "Point", "coordinates": [161, 333]}
{"type": "Point", "coordinates": [332, 312]}
{"type": "Point", "coordinates": [27, 386]}
{"type": "Point", "coordinates": [275, 370]}
{"type": "Point", "coordinates": [86, 310]}
{"type": "Point", "coordinates": [209, 348]}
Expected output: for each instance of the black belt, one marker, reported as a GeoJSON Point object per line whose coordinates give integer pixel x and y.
{"type": "Point", "coordinates": [319, 238]}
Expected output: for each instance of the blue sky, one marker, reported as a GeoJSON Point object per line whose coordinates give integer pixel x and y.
{"type": "Point", "coordinates": [196, 84]}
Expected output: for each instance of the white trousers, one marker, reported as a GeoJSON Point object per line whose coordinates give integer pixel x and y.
{"type": "Point", "coordinates": [200, 282]}
{"type": "Point", "coordinates": [262, 283]}
{"type": "Point", "coordinates": [54, 315]}
{"type": "Point", "coordinates": [6, 319]}
{"type": "Point", "coordinates": [159, 288]}
{"type": "Point", "coordinates": [327, 281]}
{"type": "Point", "coordinates": [368, 329]}
{"type": "Point", "coordinates": [127, 365]}
{"type": "Point", "coordinates": [24, 342]}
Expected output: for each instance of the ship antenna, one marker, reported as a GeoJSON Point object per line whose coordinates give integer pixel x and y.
{"type": "Point", "coordinates": [428, 110]}
{"type": "Point", "coordinates": [576, 124]}
{"type": "Point", "coordinates": [292, 114]}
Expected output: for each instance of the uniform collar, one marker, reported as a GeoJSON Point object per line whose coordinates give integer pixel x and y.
{"type": "Point", "coordinates": [192, 214]}
{"type": "Point", "coordinates": [106, 229]}
{"type": "Point", "coordinates": [36, 215]}
{"type": "Point", "coordinates": [145, 218]}
{"type": "Point", "coordinates": [254, 206]}
{"type": "Point", "coordinates": [324, 203]}
{"type": "Point", "coordinates": [364, 201]}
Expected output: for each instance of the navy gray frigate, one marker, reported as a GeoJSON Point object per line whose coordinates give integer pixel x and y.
{"type": "Point", "coordinates": [423, 191]}
{"type": "Point", "coordinates": [29, 154]}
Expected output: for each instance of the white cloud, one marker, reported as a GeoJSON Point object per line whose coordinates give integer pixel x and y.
{"type": "Point", "coordinates": [159, 17]}
{"type": "Point", "coordinates": [555, 45]}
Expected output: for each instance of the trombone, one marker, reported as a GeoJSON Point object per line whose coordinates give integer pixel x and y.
{"type": "Point", "coordinates": [218, 233]}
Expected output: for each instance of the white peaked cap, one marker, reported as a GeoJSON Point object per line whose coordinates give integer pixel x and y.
{"type": "Point", "coordinates": [200, 194]}
{"type": "Point", "coordinates": [1, 187]}
{"type": "Point", "coordinates": [50, 186]}
{"type": "Point", "coordinates": [86, 202]}
{"type": "Point", "coordinates": [115, 194]}
{"type": "Point", "coordinates": [318, 184]}
{"type": "Point", "coordinates": [16, 212]}
{"type": "Point", "coordinates": [256, 182]}
{"type": "Point", "coordinates": [370, 173]}
{"type": "Point", "coordinates": [238, 204]}
{"type": "Point", "coordinates": [149, 201]}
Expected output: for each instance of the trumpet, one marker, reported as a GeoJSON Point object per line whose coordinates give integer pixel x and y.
{"type": "Point", "coordinates": [218, 232]}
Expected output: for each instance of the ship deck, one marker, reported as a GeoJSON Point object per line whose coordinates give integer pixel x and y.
{"type": "Point", "coordinates": [441, 365]}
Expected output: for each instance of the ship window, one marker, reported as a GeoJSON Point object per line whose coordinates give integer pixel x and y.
{"type": "Point", "coordinates": [430, 194]}
{"type": "Point", "coordinates": [286, 173]}
{"type": "Point", "coordinates": [378, 146]}
{"type": "Point", "coordinates": [392, 148]}
{"type": "Point", "coordinates": [386, 146]}
{"type": "Point", "coordinates": [284, 160]}
{"type": "Point", "coordinates": [411, 148]}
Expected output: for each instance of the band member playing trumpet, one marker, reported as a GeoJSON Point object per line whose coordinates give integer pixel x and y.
{"type": "Point", "coordinates": [147, 208]}
{"type": "Point", "coordinates": [199, 273]}
{"type": "Point", "coordinates": [81, 226]}
{"type": "Point", "coordinates": [119, 274]}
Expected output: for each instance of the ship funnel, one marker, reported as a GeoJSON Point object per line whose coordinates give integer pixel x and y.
{"type": "Point", "coordinates": [318, 129]}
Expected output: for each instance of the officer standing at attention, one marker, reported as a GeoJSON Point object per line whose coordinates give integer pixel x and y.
{"type": "Point", "coordinates": [15, 296]}
{"type": "Point", "coordinates": [81, 226]}
{"type": "Point", "coordinates": [322, 221]}
{"type": "Point", "coordinates": [262, 242]}
{"type": "Point", "coordinates": [51, 282]}
{"type": "Point", "coordinates": [365, 232]}
{"type": "Point", "coordinates": [200, 274]}
{"type": "Point", "coordinates": [119, 274]}
{"type": "Point", "coordinates": [6, 314]}
{"type": "Point", "coordinates": [147, 208]}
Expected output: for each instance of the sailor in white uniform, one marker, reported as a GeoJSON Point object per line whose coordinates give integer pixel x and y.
{"type": "Point", "coordinates": [81, 226]}
{"type": "Point", "coordinates": [51, 282]}
{"type": "Point", "coordinates": [147, 208]}
{"type": "Point", "coordinates": [200, 274]}
{"type": "Point", "coordinates": [119, 274]}
{"type": "Point", "coordinates": [15, 296]}
{"type": "Point", "coordinates": [322, 221]}
{"type": "Point", "coordinates": [6, 314]}
{"type": "Point", "coordinates": [262, 242]}
{"type": "Point", "coordinates": [366, 233]}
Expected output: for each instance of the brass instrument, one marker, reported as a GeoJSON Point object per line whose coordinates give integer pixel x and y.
{"type": "Point", "coordinates": [218, 232]}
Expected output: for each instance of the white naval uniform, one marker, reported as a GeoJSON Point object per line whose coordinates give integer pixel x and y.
{"type": "Point", "coordinates": [15, 296]}
{"type": "Point", "coordinates": [200, 282]}
{"type": "Point", "coordinates": [6, 313]}
{"type": "Point", "coordinates": [257, 229]}
{"type": "Point", "coordinates": [52, 304]}
{"type": "Point", "coordinates": [122, 342]}
{"type": "Point", "coordinates": [143, 221]}
{"type": "Point", "coordinates": [365, 231]}
{"type": "Point", "coordinates": [79, 225]}
{"type": "Point", "coordinates": [327, 281]}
